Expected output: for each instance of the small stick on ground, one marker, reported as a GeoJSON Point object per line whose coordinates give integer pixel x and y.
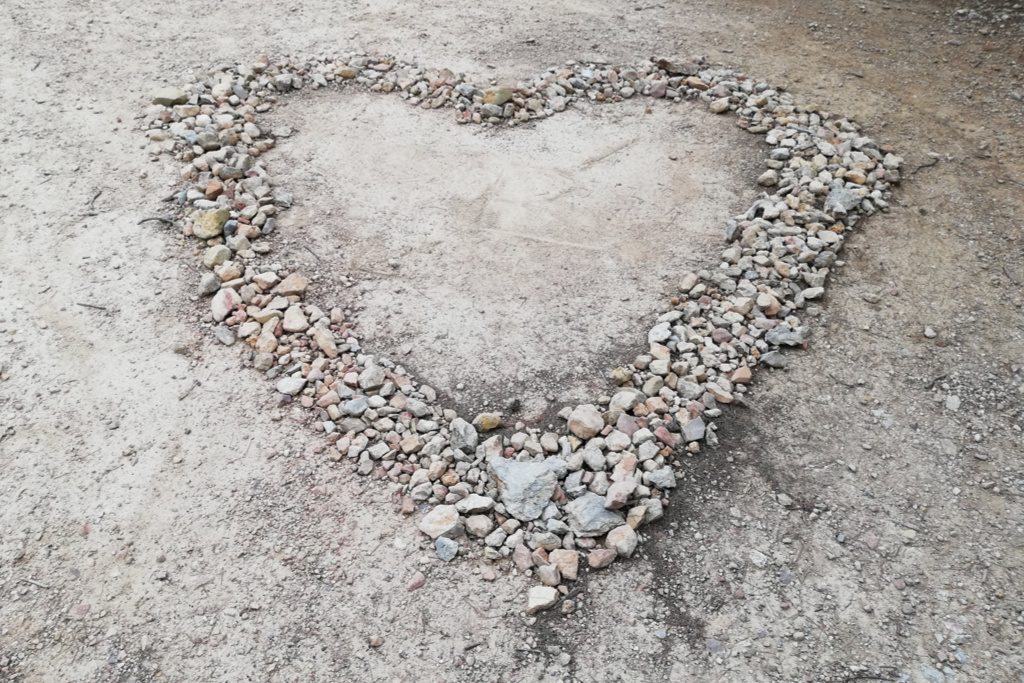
{"type": "Point", "coordinates": [195, 383]}
{"type": "Point", "coordinates": [98, 308]}
{"type": "Point", "coordinates": [165, 221]}
{"type": "Point", "coordinates": [36, 583]}
{"type": "Point", "coordinates": [313, 252]}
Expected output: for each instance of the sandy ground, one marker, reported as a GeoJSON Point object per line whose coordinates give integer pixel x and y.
{"type": "Point", "coordinates": [159, 519]}
{"type": "Point", "coordinates": [522, 262]}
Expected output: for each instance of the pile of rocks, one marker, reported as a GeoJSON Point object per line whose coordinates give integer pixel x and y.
{"type": "Point", "coordinates": [546, 500]}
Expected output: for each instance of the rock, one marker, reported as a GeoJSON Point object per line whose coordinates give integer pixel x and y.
{"type": "Point", "coordinates": [549, 575]}
{"type": "Point", "coordinates": [372, 377]}
{"type": "Point", "coordinates": [541, 598]}
{"type": "Point", "coordinates": [417, 581]}
{"type": "Point", "coordinates": [784, 335]}
{"type": "Point", "coordinates": [323, 338]}
{"type": "Point", "coordinates": [498, 96]}
{"type": "Point", "coordinates": [464, 436]}
{"type": "Point", "coordinates": [840, 201]}
{"type": "Point", "coordinates": [293, 285]}
{"type": "Point", "coordinates": [588, 517]}
{"type": "Point", "coordinates": [663, 478]}
{"type": "Point", "coordinates": [694, 430]}
{"type": "Point", "coordinates": [168, 97]}
{"type": "Point", "coordinates": [216, 255]}
{"type": "Point", "coordinates": [618, 494]}
{"type": "Point", "coordinates": [446, 548]}
{"type": "Point", "coordinates": [599, 558]}
{"type": "Point", "coordinates": [210, 224]}
{"type": "Point", "coordinates": [479, 526]}
{"type": "Point", "coordinates": [522, 558]}
{"type": "Point", "coordinates": [291, 384]}
{"type": "Point", "coordinates": [485, 422]}
{"type": "Point", "coordinates": [567, 562]}
{"type": "Point", "coordinates": [224, 302]}
{"type": "Point", "coordinates": [224, 335]}
{"type": "Point", "coordinates": [930, 333]}
{"type": "Point", "coordinates": [525, 487]}
{"type": "Point", "coordinates": [585, 421]}
{"type": "Point", "coordinates": [719, 106]}
{"type": "Point", "coordinates": [443, 521]}
{"type": "Point", "coordinates": [774, 359]}
{"type": "Point", "coordinates": [622, 539]}
{"type": "Point", "coordinates": [209, 284]}
{"type": "Point", "coordinates": [295, 320]}
{"type": "Point", "coordinates": [474, 504]}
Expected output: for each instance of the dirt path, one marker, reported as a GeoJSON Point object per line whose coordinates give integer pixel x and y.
{"type": "Point", "coordinates": [160, 518]}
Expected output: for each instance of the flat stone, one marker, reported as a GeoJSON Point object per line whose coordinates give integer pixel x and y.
{"type": "Point", "coordinates": [694, 430]}
{"type": "Point", "coordinates": [541, 598]}
{"type": "Point", "coordinates": [324, 338]}
{"type": "Point", "coordinates": [599, 558]}
{"type": "Point", "coordinates": [293, 285]}
{"type": "Point", "coordinates": [567, 562]}
{"type": "Point", "coordinates": [169, 97]}
{"type": "Point", "coordinates": [443, 521]}
{"type": "Point", "coordinates": [291, 385]}
{"type": "Point", "coordinates": [474, 504]}
{"type": "Point", "coordinates": [525, 487]}
{"type": "Point", "coordinates": [663, 478]}
{"type": "Point", "coordinates": [588, 517]}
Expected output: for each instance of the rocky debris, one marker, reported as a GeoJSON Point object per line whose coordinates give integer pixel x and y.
{"type": "Point", "coordinates": [525, 488]}
{"type": "Point", "coordinates": [531, 496]}
{"type": "Point", "coordinates": [541, 598]}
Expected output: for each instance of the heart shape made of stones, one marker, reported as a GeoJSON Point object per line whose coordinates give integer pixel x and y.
{"type": "Point", "coordinates": [544, 499]}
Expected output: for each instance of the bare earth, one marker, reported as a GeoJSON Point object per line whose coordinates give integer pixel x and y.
{"type": "Point", "coordinates": [159, 518]}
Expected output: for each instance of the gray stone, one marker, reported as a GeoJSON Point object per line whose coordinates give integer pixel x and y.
{"type": "Point", "coordinates": [372, 377]}
{"type": "Point", "coordinates": [588, 516]}
{"type": "Point", "coordinates": [840, 200]}
{"type": "Point", "coordinates": [663, 478]}
{"type": "Point", "coordinates": [291, 384]}
{"type": "Point", "coordinates": [784, 335]}
{"type": "Point", "coordinates": [774, 359]}
{"type": "Point", "coordinates": [209, 284]}
{"type": "Point", "coordinates": [169, 97]}
{"type": "Point", "coordinates": [694, 429]}
{"type": "Point", "coordinates": [474, 504]}
{"type": "Point", "coordinates": [464, 436]}
{"type": "Point", "coordinates": [447, 549]}
{"type": "Point", "coordinates": [224, 335]}
{"type": "Point", "coordinates": [525, 487]}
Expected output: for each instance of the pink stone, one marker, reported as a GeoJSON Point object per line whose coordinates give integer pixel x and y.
{"type": "Point", "coordinates": [601, 558]}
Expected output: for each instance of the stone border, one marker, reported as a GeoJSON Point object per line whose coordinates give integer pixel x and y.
{"type": "Point", "coordinates": [543, 499]}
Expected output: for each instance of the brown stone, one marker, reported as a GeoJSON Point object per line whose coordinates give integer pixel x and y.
{"type": "Point", "coordinates": [599, 558]}
{"type": "Point", "coordinates": [567, 562]}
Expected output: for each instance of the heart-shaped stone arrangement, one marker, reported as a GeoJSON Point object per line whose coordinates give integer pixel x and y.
{"type": "Point", "coordinates": [543, 499]}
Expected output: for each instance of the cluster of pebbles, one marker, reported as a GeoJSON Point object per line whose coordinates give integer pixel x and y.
{"type": "Point", "coordinates": [551, 502]}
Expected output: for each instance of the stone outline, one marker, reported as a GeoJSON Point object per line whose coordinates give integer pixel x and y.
{"type": "Point", "coordinates": [826, 177]}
